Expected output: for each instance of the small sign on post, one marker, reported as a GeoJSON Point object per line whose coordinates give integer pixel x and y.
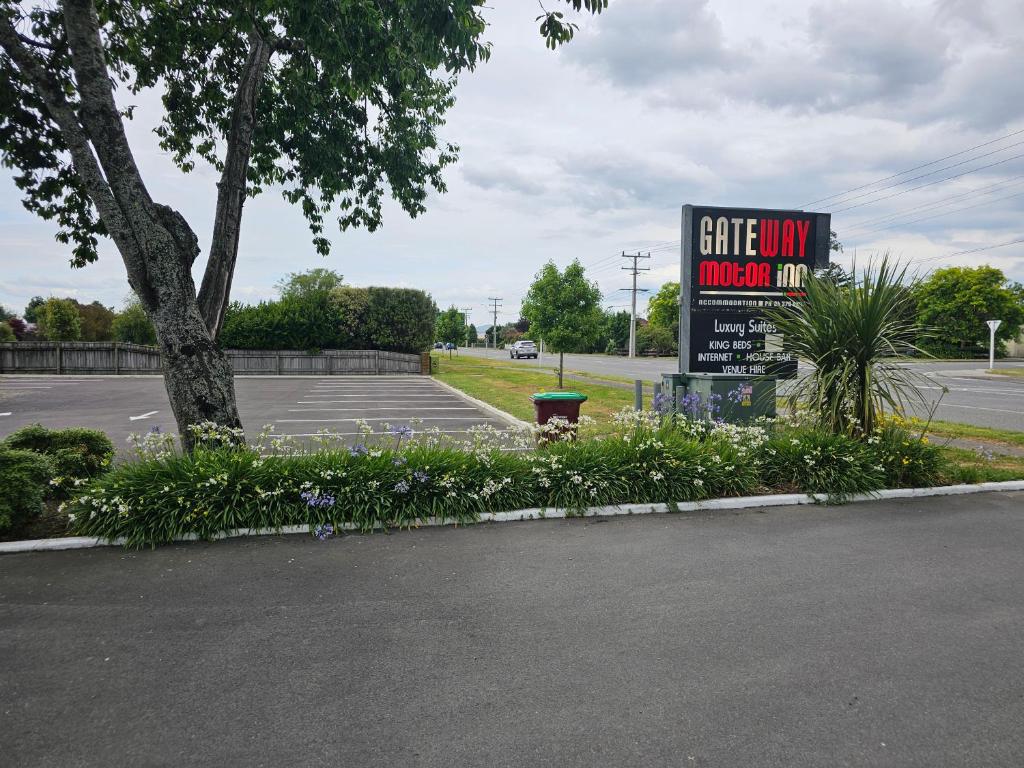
{"type": "Point", "coordinates": [993, 326]}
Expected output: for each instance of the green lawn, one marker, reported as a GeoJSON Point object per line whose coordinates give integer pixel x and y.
{"type": "Point", "coordinates": [986, 434]}
{"type": "Point", "coordinates": [1007, 371]}
{"type": "Point", "coordinates": [509, 386]}
{"type": "Point", "coordinates": [972, 467]}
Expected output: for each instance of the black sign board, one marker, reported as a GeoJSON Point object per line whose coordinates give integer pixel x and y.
{"type": "Point", "coordinates": [736, 262]}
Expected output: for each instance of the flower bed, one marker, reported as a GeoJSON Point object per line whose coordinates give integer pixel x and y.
{"type": "Point", "coordinates": [401, 478]}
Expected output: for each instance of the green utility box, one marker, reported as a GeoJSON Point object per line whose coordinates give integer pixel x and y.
{"type": "Point", "coordinates": [735, 398]}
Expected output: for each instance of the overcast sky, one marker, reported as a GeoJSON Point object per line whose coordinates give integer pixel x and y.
{"type": "Point", "coordinates": [593, 149]}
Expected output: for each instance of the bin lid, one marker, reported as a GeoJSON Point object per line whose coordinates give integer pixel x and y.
{"type": "Point", "coordinates": [573, 396]}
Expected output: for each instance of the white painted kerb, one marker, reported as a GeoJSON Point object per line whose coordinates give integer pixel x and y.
{"type": "Point", "coordinates": [739, 502]}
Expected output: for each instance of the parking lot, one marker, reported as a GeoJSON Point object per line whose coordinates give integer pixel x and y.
{"type": "Point", "coordinates": [296, 406]}
{"type": "Point", "coordinates": [875, 635]}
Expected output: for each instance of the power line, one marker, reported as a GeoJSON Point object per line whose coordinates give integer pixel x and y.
{"type": "Point", "coordinates": [911, 170]}
{"type": "Point", "coordinates": [966, 252]}
{"type": "Point", "coordinates": [935, 203]}
{"type": "Point", "coordinates": [929, 184]}
{"type": "Point", "coordinates": [926, 175]}
{"type": "Point", "coordinates": [634, 270]}
{"type": "Point", "coordinates": [864, 233]}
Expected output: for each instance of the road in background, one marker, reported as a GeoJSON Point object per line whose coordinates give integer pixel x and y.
{"type": "Point", "coordinates": [878, 634]}
{"type": "Point", "coordinates": [298, 406]}
{"type": "Point", "coordinates": [973, 396]}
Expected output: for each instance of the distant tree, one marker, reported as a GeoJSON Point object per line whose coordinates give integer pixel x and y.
{"type": "Point", "coordinates": [833, 242]}
{"type": "Point", "coordinates": [616, 331]}
{"type": "Point", "coordinates": [956, 302]}
{"type": "Point", "coordinates": [663, 309]}
{"type": "Point", "coordinates": [835, 274]}
{"type": "Point", "coordinates": [564, 310]}
{"type": "Point", "coordinates": [472, 337]}
{"type": "Point", "coordinates": [18, 326]}
{"type": "Point", "coordinates": [509, 334]}
{"type": "Point", "coordinates": [32, 308]}
{"type": "Point", "coordinates": [6, 332]}
{"type": "Point", "coordinates": [522, 325]}
{"type": "Point", "coordinates": [97, 322]}
{"type": "Point", "coordinates": [450, 327]}
{"type": "Point", "coordinates": [299, 285]}
{"type": "Point", "coordinates": [133, 325]}
{"type": "Point", "coordinates": [58, 320]}
{"type": "Point", "coordinates": [656, 338]}
{"type": "Point", "coordinates": [5, 314]}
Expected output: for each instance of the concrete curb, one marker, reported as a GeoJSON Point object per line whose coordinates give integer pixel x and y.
{"type": "Point", "coordinates": [508, 418]}
{"type": "Point", "coordinates": [708, 505]}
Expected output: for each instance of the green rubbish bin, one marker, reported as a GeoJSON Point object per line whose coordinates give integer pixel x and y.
{"type": "Point", "coordinates": [738, 399]}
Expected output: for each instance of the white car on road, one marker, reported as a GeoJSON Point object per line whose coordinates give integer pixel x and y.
{"type": "Point", "coordinates": [523, 348]}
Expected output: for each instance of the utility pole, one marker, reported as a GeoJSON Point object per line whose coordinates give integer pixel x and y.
{"type": "Point", "coordinates": [634, 270]}
{"type": "Point", "coordinates": [465, 324]}
{"type": "Point", "coordinates": [494, 328]}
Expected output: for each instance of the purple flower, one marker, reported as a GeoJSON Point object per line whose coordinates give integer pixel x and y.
{"type": "Point", "coordinates": [402, 486]}
{"type": "Point", "coordinates": [358, 450]}
{"type": "Point", "coordinates": [316, 500]}
{"type": "Point", "coordinates": [154, 430]}
{"type": "Point", "coordinates": [399, 461]}
{"type": "Point", "coordinates": [420, 476]}
{"type": "Point", "coordinates": [662, 403]}
{"type": "Point", "coordinates": [324, 531]}
{"type": "Point", "coordinates": [402, 431]}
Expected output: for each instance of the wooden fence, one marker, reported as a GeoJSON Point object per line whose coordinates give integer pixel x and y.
{"type": "Point", "coordinates": [83, 357]}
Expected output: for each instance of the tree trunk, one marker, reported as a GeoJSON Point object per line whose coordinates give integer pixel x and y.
{"type": "Point", "coordinates": [197, 374]}
{"type": "Point", "coordinates": [561, 367]}
{"type": "Point", "coordinates": [156, 243]}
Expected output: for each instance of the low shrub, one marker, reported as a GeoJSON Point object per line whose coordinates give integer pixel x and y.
{"type": "Point", "coordinates": [76, 454]}
{"type": "Point", "coordinates": [400, 478]}
{"type": "Point", "coordinates": [25, 477]}
{"type": "Point", "coordinates": [817, 461]}
{"type": "Point", "coordinates": [908, 460]}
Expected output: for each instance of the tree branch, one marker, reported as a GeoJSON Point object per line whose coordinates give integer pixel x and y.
{"type": "Point", "coordinates": [231, 190]}
{"type": "Point", "coordinates": [74, 135]}
{"type": "Point", "coordinates": [103, 123]}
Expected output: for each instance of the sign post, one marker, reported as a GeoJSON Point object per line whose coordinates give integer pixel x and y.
{"type": "Point", "coordinates": [993, 326]}
{"type": "Point", "coordinates": [736, 263]}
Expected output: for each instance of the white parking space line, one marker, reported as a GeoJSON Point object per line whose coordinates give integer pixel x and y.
{"type": "Point", "coordinates": [23, 386]}
{"type": "Point", "coordinates": [477, 419]}
{"type": "Point", "coordinates": [372, 408]}
{"type": "Point", "coordinates": [374, 402]}
{"type": "Point", "coordinates": [143, 416]}
{"type": "Point", "coordinates": [373, 389]}
{"type": "Point", "coordinates": [5, 413]}
{"type": "Point", "coordinates": [360, 434]}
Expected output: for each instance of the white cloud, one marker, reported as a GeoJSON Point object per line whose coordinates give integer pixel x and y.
{"type": "Point", "coordinates": [593, 149]}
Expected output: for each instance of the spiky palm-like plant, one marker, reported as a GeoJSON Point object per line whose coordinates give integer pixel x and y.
{"type": "Point", "coordinates": [854, 336]}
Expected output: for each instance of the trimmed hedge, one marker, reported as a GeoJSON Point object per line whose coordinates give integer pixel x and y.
{"type": "Point", "coordinates": [391, 319]}
{"type": "Point", "coordinates": [76, 454]}
{"type": "Point", "coordinates": [24, 482]}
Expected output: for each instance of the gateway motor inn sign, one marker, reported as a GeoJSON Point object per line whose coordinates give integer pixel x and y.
{"type": "Point", "coordinates": [736, 262]}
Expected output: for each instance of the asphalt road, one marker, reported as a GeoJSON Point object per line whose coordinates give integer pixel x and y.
{"type": "Point", "coordinates": [881, 634]}
{"type": "Point", "coordinates": [973, 396]}
{"type": "Point", "coordinates": [297, 406]}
